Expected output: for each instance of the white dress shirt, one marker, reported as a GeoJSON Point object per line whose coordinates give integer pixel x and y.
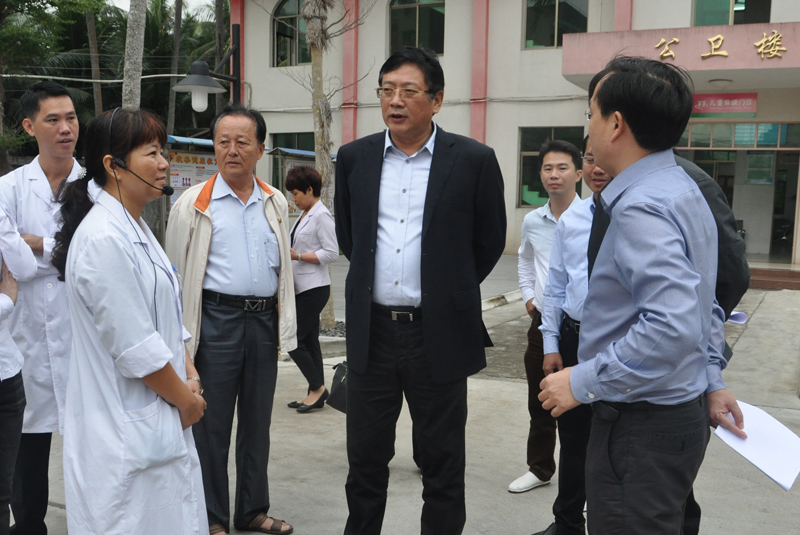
{"type": "Point", "coordinates": [243, 258]}
{"type": "Point", "coordinates": [567, 281]}
{"type": "Point", "coordinates": [401, 203]}
{"type": "Point", "coordinates": [538, 229]}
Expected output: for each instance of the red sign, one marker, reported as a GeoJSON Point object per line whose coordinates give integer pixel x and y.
{"type": "Point", "coordinates": [725, 105]}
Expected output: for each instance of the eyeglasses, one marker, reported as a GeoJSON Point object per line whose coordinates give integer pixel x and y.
{"type": "Point", "coordinates": [588, 114]}
{"type": "Point", "coordinates": [589, 160]}
{"type": "Point", "coordinates": [405, 93]}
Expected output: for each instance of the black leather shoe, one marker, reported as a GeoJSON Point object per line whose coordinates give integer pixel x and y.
{"type": "Point", "coordinates": [317, 405]}
{"type": "Point", "coordinates": [293, 404]}
{"type": "Point", "coordinates": [551, 530]}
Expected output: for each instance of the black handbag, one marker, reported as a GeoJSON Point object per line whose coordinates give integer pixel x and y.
{"type": "Point", "coordinates": [338, 393]}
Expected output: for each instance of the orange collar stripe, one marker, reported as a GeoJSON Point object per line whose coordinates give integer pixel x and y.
{"type": "Point", "coordinates": [204, 199]}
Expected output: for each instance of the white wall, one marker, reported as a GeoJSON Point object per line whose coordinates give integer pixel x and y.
{"type": "Point", "coordinates": [286, 105]}
{"type": "Point", "coordinates": [526, 89]}
{"type": "Point", "coordinates": [784, 11]}
{"type": "Point", "coordinates": [654, 14]}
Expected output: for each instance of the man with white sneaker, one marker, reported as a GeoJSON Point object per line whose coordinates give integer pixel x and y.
{"type": "Point", "coordinates": [560, 172]}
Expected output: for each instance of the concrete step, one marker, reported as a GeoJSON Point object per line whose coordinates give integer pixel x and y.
{"type": "Point", "coordinates": [774, 279]}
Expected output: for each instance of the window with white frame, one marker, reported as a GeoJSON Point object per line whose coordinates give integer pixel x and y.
{"type": "Point", "coordinates": [290, 35]}
{"type": "Point", "coordinates": [716, 12]}
{"type": "Point", "coordinates": [546, 21]}
{"type": "Point", "coordinates": [417, 23]}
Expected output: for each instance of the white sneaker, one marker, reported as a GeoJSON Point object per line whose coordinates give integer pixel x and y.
{"type": "Point", "coordinates": [526, 482]}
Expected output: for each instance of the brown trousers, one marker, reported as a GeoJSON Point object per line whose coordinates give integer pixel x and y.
{"type": "Point", "coordinates": [542, 434]}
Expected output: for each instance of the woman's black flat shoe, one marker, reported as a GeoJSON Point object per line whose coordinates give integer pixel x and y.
{"type": "Point", "coordinates": [317, 405]}
{"type": "Point", "coordinates": [293, 404]}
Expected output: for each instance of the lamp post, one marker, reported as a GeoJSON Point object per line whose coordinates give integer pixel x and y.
{"type": "Point", "coordinates": [200, 81]}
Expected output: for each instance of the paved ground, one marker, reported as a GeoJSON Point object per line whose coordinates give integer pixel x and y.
{"type": "Point", "coordinates": [308, 463]}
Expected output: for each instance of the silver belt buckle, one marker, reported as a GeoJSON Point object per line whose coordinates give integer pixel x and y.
{"type": "Point", "coordinates": [402, 316]}
{"type": "Point", "coordinates": [254, 305]}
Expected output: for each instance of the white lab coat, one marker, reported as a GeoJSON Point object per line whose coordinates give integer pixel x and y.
{"type": "Point", "coordinates": [128, 466]}
{"type": "Point", "coordinates": [21, 262]}
{"type": "Point", "coordinates": [40, 320]}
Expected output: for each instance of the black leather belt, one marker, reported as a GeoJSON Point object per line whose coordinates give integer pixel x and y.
{"type": "Point", "coordinates": [246, 303]}
{"type": "Point", "coordinates": [401, 314]}
{"type": "Point", "coordinates": [610, 410]}
{"type": "Point", "coordinates": [570, 323]}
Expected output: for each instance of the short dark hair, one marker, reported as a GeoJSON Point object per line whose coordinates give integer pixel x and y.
{"type": "Point", "coordinates": [424, 58]}
{"type": "Point", "coordinates": [558, 145]}
{"type": "Point", "coordinates": [301, 178]}
{"type": "Point", "coordinates": [583, 147]}
{"type": "Point", "coordinates": [654, 98]}
{"type": "Point", "coordinates": [242, 111]}
{"type": "Point", "coordinates": [33, 96]}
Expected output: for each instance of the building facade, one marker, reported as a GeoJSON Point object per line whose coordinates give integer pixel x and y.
{"type": "Point", "coordinates": [517, 71]}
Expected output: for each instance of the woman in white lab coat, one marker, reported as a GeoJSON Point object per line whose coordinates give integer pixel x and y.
{"type": "Point", "coordinates": [130, 464]}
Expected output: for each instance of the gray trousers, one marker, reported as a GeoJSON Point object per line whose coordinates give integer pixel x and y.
{"type": "Point", "coordinates": [641, 464]}
{"type": "Point", "coordinates": [237, 357]}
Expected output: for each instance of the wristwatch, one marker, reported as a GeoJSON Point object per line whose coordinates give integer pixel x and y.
{"type": "Point", "coordinates": [194, 378]}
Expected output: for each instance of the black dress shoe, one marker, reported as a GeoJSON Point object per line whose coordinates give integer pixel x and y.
{"type": "Point", "coordinates": [551, 530]}
{"type": "Point", "coordinates": [293, 404]}
{"type": "Point", "coordinates": [317, 405]}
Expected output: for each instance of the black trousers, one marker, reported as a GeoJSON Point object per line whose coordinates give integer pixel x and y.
{"type": "Point", "coordinates": [573, 432]}
{"type": "Point", "coordinates": [237, 360]}
{"type": "Point", "coordinates": [12, 408]}
{"type": "Point", "coordinates": [398, 366]}
{"type": "Point", "coordinates": [30, 488]}
{"type": "Point", "coordinates": [542, 431]}
{"type": "Point", "coordinates": [308, 355]}
{"type": "Point", "coordinates": [641, 463]}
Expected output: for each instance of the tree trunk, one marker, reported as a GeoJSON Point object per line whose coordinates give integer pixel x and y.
{"type": "Point", "coordinates": [315, 13]}
{"type": "Point", "coordinates": [98, 94]}
{"type": "Point", "coordinates": [134, 49]}
{"type": "Point", "coordinates": [176, 46]}
{"type": "Point", "coordinates": [154, 213]}
{"type": "Point", "coordinates": [5, 166]}
{"type": "Point", "coordinates": [219, 32]}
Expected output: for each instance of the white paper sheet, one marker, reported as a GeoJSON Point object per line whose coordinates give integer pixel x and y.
{"type": "Point", "coordinates": [771, 446]}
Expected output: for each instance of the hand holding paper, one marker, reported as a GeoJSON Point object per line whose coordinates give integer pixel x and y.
{"type": "Point", "coordinates": [771, 446]}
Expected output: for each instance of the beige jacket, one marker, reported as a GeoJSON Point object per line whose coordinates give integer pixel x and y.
{"type": "Point", "coordinates": [189, 239]}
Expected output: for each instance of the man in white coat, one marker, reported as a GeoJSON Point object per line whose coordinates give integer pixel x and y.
{"type": "Point", "coordinates": [228, 239]}
{"type": "Point", "coordinates": [40, 322]}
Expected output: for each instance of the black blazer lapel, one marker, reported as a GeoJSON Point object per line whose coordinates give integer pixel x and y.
{"type": "Point", "coordinates": [444, 156]}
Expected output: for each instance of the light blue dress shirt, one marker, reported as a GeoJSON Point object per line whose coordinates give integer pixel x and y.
{"type": "Point", "coordinates": [538, 229]}
{"type": "Point", "coordinates": [243, 258]}
{"type": "Point", "coordinates": [651, 329]}
{"type": "Point", "coordinates": [401, 204]}
{"type": "Point", "coordinates": [567, 280]}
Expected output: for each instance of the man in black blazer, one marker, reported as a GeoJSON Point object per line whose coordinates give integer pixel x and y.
{"type": "Point", "coordinates": [420, 214]}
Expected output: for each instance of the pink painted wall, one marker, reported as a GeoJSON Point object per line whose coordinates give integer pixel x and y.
{"type": "Point", "coordinates": [350, 77]}
{"type": "Point", "coordinates": [623, 15]}
{"type": "Point", "coordinates": [480, 62]}
{"type": "Point", "coordinates": [585, 53]}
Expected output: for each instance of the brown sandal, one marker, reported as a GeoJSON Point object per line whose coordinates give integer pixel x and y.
{"type": "Point", "coordinates": [216, 528]}
{"type": "Point", "coordinates": [258, 521]}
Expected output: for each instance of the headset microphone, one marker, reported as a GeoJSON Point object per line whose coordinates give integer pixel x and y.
{"type": "Point", "coordinates": [166, 190]}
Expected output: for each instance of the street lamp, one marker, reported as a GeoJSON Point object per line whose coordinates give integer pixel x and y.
{"type": "Point", "coordinates": [200, 81]}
